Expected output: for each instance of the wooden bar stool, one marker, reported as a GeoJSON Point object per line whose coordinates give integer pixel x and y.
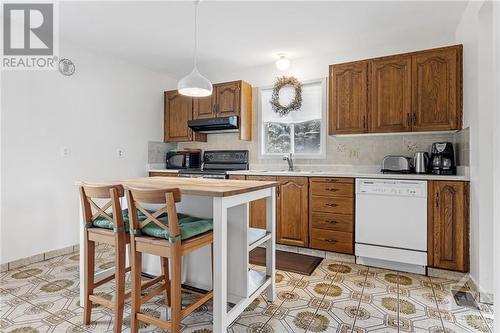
{"type": "Point", "coordinates": [110, 228]}
{"type": "Point", "coordinates": [165, 236]}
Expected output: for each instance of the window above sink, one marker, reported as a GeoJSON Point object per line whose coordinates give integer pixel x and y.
{"type": "Point", "coordinates": [301, 132]}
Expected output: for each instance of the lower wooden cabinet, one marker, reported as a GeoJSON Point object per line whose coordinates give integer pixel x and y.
{"type": "Point", "coordinates": [293, 211]}
{"type": "Point", "coordinates": [448, 225]}
{"type": "Point", "coordinates": [331, 219]}
{"type": "Point", "coordinates": [258, 207]}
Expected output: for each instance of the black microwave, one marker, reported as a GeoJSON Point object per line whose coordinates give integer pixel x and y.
{"type": "Point", "coordinates": [183, 160]}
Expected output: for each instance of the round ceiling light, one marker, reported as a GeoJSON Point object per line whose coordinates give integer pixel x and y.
{"type": "Point", "coordinates": [283, 63]}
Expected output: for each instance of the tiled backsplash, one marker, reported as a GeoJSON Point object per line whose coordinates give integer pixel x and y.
{"type": "Point", "coordinates": [355, 150]}
{"type": "Point", "coordinates": [350, 150]}
{"type": "Point", "coordinates": [157, 151]}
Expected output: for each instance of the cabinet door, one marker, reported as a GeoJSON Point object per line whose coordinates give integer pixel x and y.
{"type": "Point", "coordinates": [227, 99]}
{"type": "Point", "coordinates": [348, 98]}
{"type": "Point", "coordinates": [293, 223]}
{"type": "Point", "coordinates": [449, 225]}
{"type": "Point", "coordinates": [391, 95]}
{"type": "Point", "coordinates": [178, 110]}
{"type": "Point", "coordinates": [258, 207]}
{"type": "Point", "coordinates": [203, 108]}
{"type": "Point", "coordinates": [437, 92]}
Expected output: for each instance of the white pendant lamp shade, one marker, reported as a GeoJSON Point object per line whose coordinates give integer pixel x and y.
{"type": "Point", "coordinates": [195, 85]}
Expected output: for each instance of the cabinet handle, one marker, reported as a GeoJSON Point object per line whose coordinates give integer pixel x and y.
{"type": "Point", "coordinates": [332, 189]}
{"type": "Point", "coordinates": [437, 199]}
{"type": "Point", "coordinates": [331, 221]}
{"type": "Point", "coordinates": [331, 205]}
{"type": "Point", "coordinates": [213, 109]}
{"type": "Point", "coordinates": [414, 119]}
{"type": "Point", "coordinates": [331, 241]}
{"type": "Point", "coordinates": [408, 120]}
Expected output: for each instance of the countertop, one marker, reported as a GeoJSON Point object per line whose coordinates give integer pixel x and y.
{"type": "Point", "coordinates": [196, 186]}
{"type": "Point", "coordinates": [350, 174]}
{"type": "Point", "coordinates": [336, 173]}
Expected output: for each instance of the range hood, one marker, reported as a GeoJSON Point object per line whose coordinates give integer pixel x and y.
{"type": "Point", "coordinates": [215, 125]}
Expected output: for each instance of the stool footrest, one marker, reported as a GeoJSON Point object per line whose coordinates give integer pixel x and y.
{"type": "Point", "coordinates": [196, 304]}
{"type": "Point", "coordinates": [102, 301]}
{"type": "Point", "coordinates": [166, 325]}
{"type": "Point", "coordinates": [153, 293]}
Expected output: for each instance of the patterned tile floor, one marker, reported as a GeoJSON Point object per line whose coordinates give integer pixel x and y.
{"type": "Point", "coordinates": [337, 297]}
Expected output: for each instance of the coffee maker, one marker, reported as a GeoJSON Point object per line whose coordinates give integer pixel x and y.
{"type": "Point", "coordinates": [443, 159]}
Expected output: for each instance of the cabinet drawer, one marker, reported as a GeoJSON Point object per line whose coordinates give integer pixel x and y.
{"type": "Point", "coordinates": [332, 189]}
{"type": "Point", "coordinates": [237, 177]}
{"type": "Point", "coordinates": [332, 180]}
{"type": "Point", "coordinates": [332, 205]}
{"type": "Point", "coordinates": [335, 241]}
{"type": "Point", "coordinates": [336, 222]}
{"type": "Point", "coordinates": [163, 174]}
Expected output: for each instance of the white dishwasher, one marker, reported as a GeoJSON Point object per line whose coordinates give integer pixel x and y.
{"type": "Point", "coordinates": [391, 224]}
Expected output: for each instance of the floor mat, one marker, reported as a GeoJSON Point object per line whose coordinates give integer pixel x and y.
{"type": "Point", "coordinates": [287, 261]}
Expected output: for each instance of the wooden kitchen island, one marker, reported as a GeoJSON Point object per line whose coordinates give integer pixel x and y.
{"type": "Point", "coordinates": [227, 202]}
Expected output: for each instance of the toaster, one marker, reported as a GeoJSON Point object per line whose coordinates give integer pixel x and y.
{"type": "Point", "coordinates": [396, 164]}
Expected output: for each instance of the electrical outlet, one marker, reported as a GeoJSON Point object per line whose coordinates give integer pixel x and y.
{"type": "Point", "coordinates": [65, 152]}
{"type": "Point", "coordinates": [120, 153]}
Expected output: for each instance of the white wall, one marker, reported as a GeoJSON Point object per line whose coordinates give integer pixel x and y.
{"type": "Point", "coordinates": [475, 32]}
{"type": "Point", "coordinates": [107, 104]}
{"type": "Point", "coordinates": [496, 214]}
{"type": "Point", "coordinates": [317, 66]}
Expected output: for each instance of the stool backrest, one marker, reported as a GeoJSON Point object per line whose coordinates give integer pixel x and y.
{"type": "Point", "coordinates": [92, 210]}
{"type": "Point", "coordinates": [136, 197]}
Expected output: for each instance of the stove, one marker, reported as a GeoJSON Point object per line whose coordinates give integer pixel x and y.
{"type": "Point", "coordinates": [216, 164]}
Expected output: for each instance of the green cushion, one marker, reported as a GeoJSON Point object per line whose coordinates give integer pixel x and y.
{"type": "Point", "coordinates": [102, 222]}
{"type": "Point", "coordinates": [190, 226]}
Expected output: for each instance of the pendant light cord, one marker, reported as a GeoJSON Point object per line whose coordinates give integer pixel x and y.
{"type": "Point", "coordinates": [196, 3]}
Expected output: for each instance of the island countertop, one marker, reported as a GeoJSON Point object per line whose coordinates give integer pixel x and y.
{"type": "Point", "coordinates": [196, 186]}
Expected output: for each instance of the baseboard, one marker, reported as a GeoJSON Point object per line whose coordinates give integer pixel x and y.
{"type": "Point", "coordinates": [38, 257]}
{"type": "Point", "coordinates": [480, 296]}
{"type": "Point", "coordinates": [317, 253]}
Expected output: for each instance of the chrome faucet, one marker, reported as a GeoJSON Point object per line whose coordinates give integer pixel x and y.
{"type": "Point", "coordinates": [289, 159]}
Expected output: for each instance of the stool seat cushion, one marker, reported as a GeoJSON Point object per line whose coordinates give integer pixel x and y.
{"type": "Point", "coordinates": [102, 222]}
{"type": "Point", "coordinates": [189, 226]}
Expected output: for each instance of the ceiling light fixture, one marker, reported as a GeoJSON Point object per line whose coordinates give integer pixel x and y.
{"type": "Point", "coordinates": [194, 84]}
{"type": "Point", "coordinates": [283, 62]}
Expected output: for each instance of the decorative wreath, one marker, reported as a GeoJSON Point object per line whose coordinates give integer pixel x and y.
{"type": "Point", "coordinates": [295, 104]}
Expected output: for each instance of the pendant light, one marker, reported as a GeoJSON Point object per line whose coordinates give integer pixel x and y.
{"type": "Point", "coordinates": [194, 84]}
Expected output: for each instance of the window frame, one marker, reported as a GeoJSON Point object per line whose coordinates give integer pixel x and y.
{"type": "Point", "coordinates": [260, 124]}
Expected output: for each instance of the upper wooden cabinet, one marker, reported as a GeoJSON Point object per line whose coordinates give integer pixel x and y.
{"type": "Point", "coordinates": [391, 95]}
{"type": "Point", "coordinates": [228, 99]}
{"type": "Point", "coordinates": [348, 98]}
{"type": "Point", "coordinates": [178, 110]}
{"type": "Point", "coordinates": [437, 89]}
{"type": "Point", "coordinates": [418, 91]}
{"type": "Point", "coordinates": [448, 230]}
{"type": "Point", "coordinates": [203, 108]}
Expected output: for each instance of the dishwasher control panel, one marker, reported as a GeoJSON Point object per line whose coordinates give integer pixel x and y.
{"type": "Point", "coordinates": [409, 188]}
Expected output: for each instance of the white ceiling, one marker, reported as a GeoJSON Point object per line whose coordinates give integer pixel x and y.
{"type": "Point", "coordinates": [241, 34]}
